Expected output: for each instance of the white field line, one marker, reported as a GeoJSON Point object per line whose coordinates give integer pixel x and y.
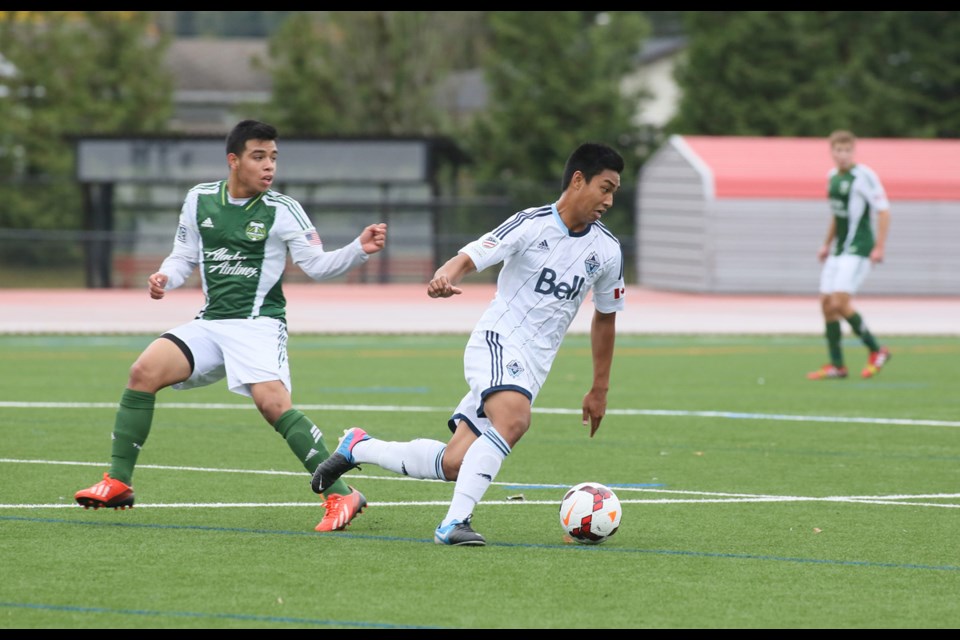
{"type": "Point", "coordinates": [708, 497]}
{"type": "Point", "coordinates": [440, 503]}
{"type": "Point", "coordinates": [696, 497]}
{"type": "Point", "coordinates": [727, 415]}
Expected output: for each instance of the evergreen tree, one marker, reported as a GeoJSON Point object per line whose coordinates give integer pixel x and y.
{"type": "Point", "coordinates": [70, 73]}
{"type": "Point", "coordinates": [363, 72]}
{"type": "Point", "coordinates": [804, 73]}
{"type": "Point", "coordinates": [554, 81]}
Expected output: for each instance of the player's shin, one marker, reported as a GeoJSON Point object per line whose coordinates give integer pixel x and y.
{"type": "Point", "coordinates": [420, 458]}
{"type": "Point", "coordinates": [130, 430]}
{"type": "Point", "coordinates": [480, 466]}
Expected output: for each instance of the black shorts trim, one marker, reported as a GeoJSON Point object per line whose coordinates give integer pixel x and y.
{"type": "Point", "coordinates": [183, 348]}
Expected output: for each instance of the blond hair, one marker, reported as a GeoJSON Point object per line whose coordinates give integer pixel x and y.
{"type": "Point", "coordinates": [842, 136]}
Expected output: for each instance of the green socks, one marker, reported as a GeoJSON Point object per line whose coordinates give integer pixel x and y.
{"type": "Point", "coordinates": [135, 415]}
{"type": "Point", "coordinates": [834, 343]}
{"type": "Point", "coordinates": [130, 430]}
{"type": "Point", "coordinates": [860, 328]}
{"type": "Point", "coordinates": [306, 441]}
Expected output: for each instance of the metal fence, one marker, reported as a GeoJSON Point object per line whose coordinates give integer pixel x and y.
{"type": "Point", "coordinates": [420, 237]}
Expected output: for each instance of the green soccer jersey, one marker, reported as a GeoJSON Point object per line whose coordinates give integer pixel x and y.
{"type": "Point", "coordinates": [855, 196]}
{"type": "Point", "coordinates": [241, 250]}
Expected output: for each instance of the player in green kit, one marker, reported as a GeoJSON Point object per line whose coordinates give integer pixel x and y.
{"type": "Point", "coordinates": [855, 240]}
{"type": "Point", "coordinates": [238, 233]}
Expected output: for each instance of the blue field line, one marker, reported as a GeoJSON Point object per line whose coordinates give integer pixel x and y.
{"type": "Point", "coordinates": [726, 415]}
{"type": "Point", "coordinates": [214, 616]}
{"type": "Point", "coordinates": [554, 487]}
{"type": "Point", "coordinates": [602, 548]}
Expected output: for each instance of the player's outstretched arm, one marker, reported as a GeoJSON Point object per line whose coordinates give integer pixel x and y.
{"type": "Point", "coordinates": [445, 280]}
{"type": "Point", "coordinates": [157, 284]}
{"type": "Point", "coordinates": [374, 237]}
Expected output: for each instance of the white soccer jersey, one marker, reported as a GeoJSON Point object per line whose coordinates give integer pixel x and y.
{"type": "Point", "coordinates": [547, 272]}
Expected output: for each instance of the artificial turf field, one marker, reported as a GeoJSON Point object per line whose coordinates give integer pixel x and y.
{"type": "Point", "coordinates": [752, 497]}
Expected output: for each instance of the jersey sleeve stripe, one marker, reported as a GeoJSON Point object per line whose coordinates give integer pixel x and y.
{"type": "Point", "coordinates": [606, 232]}
{"type": "Point", "coordinates": [293, 206]}
{"type": "Point", "coordinates": [519, 218]}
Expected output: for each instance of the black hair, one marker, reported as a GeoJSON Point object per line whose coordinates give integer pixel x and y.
{"type": "Point", "coordinates": [590, 159]}
{"type": "Point", "coordinates": [249, 130]}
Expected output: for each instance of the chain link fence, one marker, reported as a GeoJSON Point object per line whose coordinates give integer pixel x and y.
{"type": "Point", "coordinates": [56, 246]}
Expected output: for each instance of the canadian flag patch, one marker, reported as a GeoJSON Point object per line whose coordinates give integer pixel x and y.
{"type": "Point", "coordinates": [619, 293]}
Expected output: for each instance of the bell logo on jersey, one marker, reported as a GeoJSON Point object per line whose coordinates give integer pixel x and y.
{"type": "Point", "coordinates": [548, 285]}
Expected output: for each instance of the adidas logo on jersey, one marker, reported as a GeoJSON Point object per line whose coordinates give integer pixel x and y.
{"type": "Point", "coordinates": [543, 246]}
{"type": "Point", "coordinates": [208, 223]}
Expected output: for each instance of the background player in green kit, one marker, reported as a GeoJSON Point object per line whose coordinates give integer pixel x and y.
{"type": "Point", "coordinates": [855, 240]}
{"type": "Point", "coordinates": [238, 232]}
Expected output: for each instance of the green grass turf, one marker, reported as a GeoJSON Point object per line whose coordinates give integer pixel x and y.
{"type": "Point", "coordinates": [753, 498]}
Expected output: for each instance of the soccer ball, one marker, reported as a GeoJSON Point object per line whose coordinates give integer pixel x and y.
{"type": "Point", "coordinates": [590, 513]}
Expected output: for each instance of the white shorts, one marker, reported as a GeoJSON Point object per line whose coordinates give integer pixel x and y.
{"type": "Point", "coordinates": [243, 351]}
{"type": "Point", "coordinates": [491, 364]}
{"type": "Point", "coordinates": [844, 273]}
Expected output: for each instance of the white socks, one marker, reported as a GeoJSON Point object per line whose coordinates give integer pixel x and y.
{"type": "Point", "coordinates": [419, 458]}
{"type": "Point", "coordinates": [480, 466]}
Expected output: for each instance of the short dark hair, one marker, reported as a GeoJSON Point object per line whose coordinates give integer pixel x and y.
{"type": "Point", "coordinates": [590, 159]}
{"type": "Point", "coordinates": [249, 130]}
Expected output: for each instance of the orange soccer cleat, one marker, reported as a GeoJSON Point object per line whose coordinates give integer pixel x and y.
{"type": "Point", "coordinates": [341, 510]}
{"type": "Point", "coordinates": [876, 362]}
{"type": "Point", "coordinates": [827, 372]}
{"type": "Point", "coordinates": [109, 493]}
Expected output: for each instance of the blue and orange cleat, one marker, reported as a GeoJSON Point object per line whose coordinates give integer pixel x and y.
{"type": "Point", "coordinates": [339, 462]}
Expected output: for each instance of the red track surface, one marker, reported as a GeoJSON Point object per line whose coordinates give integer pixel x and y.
{"type": "Point", "coordinates": [405, 308]}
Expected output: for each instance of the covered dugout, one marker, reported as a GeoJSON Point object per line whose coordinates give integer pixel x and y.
{"type": "Point", "coordinates": [728, 214]}
{"type": "Point", "coordinates": [134, 187]}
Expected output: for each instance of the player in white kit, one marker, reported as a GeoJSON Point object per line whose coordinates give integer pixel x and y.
{"type": "Point", "coordinates": [552, 257]}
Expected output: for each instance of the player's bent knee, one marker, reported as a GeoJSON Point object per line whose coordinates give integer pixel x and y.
{"type": "Point", "coordinates": [451, 467]}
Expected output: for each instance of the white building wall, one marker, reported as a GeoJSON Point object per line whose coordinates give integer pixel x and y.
{"type": "Point", "coordinates": [687, 240]}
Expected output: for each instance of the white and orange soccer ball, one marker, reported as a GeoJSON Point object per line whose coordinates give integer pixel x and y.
{"type": "Point", "coordinates": [590, 513]}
